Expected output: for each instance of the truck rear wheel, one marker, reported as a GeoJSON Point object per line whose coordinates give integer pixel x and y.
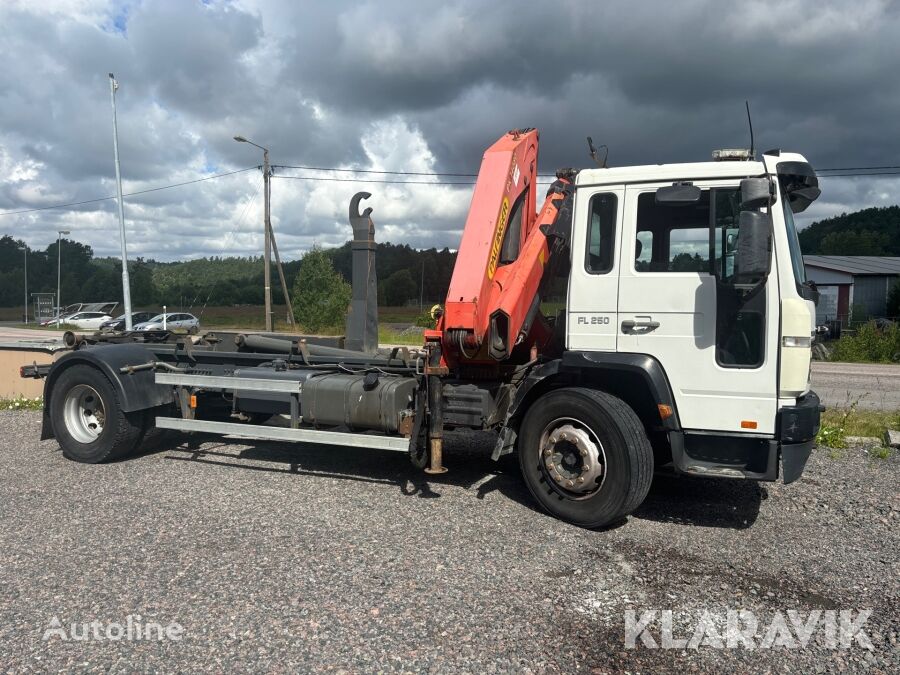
{"type": "Point", "coordinates": [585, 456]}
{"type": "Point", "coordinates": [88, 421]}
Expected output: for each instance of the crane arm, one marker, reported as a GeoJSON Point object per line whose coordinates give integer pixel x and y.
{"type": "Point", "coordinates": [506, 247]}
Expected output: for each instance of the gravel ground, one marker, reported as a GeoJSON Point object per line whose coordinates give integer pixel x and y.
{"type": "Point", "coordinates": [281, 559]}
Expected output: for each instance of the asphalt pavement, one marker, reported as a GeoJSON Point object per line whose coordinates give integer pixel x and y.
{"type": "Point", "coordinates": [267, 557]}
{"type": "Point", "coordinates": [872, 386]}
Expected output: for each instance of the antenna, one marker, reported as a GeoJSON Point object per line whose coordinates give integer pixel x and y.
{"type": "Point", "coordinates": [593, 153]}
{"type": "Point", "coordinates": [750, 123]}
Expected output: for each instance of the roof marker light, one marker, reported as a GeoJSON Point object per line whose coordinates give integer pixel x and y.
{"type": "Point", "coordinates": [731, 155]}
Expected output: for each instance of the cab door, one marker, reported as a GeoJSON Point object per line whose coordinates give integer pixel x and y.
{"type": "Point", "coordinates": [594, 277]}
{"type": "Point", "coordinates": [675, 305]}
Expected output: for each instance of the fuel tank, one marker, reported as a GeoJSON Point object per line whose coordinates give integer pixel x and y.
{"type": "Point", "coordinates": [357, 401]}
{"type": "Point", "coordinates": [372, 401]}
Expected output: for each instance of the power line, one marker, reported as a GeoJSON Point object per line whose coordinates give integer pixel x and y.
{"type": "Point", "coordinates": [475, 175]}
{"type": "Point", "coordinates": [881, 173]}
{"type": "Point", "coordinates": [849, 172]}
{"type": "Point", "coordinates": [368, 180]}
{"type": "Point", "coordinates": [372, 171]}
{"type": "Point", "coordinates": [859, 168]}
{"type": "Point", "coordinates": [252, 199]}
{"type": "Point", "coordinates": [389, 173]}
{"type": "Point", "coordinates": [396, 182]}
{"type": "Point", "coordinates": [129, 194]}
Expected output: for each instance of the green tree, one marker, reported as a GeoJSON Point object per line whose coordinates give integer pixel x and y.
{"type": "Point", "coordinates": [320, 295]}
{"type": "Point", "coordinates": [864, 242]}
{"type": "Point", "coordinates": [143, 291]}
{"type": "Point", "coordinates": [399, 288]}
{"type": "Point", "coordinates": [874, 231]}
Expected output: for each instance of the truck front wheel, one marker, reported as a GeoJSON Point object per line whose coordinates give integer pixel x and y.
{"type": "Point", "coordinates": [585, 456]}
{"type": "Point", "coordinates": [88, 421]}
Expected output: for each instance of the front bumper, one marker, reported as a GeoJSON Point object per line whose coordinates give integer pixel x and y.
{"type": "Point", "coordinates": [797, 428]}
{"type": "Point", "coordinates": [753, 457]}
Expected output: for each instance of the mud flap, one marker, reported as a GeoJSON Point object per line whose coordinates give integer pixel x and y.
{"type": "Point", "coordinates": [793, 460]}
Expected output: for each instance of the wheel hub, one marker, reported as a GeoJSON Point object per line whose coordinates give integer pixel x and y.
{"type": "Point", "coordinates": [572, 459]}
{"type": "Point", "coordinates": [84, 413]}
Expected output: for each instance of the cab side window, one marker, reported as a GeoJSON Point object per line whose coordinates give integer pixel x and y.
{"type": "Point", "coordinates": [599, 256]}
{"type": "Point", "coordinates": [670, 237]}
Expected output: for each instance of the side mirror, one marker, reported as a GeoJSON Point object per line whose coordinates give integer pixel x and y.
{"type": "Point", "coordinates": [801, 198]}
{"type": "Point", "coordinates": [755, 193]}
{"type": "Point", "coordinates": [678, 193]}
{"type": "Point", "coordinates": [754, 252]}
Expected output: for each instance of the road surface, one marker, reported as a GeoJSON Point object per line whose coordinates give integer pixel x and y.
{"type": "Point", "coordinates": [876, 386]}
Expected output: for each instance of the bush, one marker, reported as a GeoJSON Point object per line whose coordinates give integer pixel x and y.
{"type": "Point", "coordinates": [870, 344]}
{"type": "Point", "coordinates": [320, 297]}
{"type": "Point", "coordinates": [425, 320]}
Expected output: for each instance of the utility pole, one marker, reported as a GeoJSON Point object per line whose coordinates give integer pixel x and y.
{"type": "Point", "coordinates": [267, 283]}
{"type": "Point", "coordinates": [422, 287]}
{"type": "Point", "coordinates": [267, 271]}
{"type": "Point", "coordinates": [59, 234]}
{"type": "Point", "coordinates": [25, 248]}
{"type": "Point", "coordinates": [270, 241]}
{"type": "Point", "coordinates": [126, 282]}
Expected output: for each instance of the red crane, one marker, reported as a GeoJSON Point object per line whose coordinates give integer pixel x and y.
{"type": "Point", "coordinates": [493, 303]}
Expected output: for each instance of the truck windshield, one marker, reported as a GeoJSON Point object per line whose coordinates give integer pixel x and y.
{"type": "Point", "coordinates": [793, 241]}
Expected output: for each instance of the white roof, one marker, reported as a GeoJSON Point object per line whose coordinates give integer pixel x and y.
{"type": "Point", "coordinates": [685, 171]}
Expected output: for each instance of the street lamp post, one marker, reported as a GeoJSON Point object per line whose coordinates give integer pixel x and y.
{"type": "Point", "coordinates": [59, 234]}
{"type": "Point", "coordinates": [268, 241]}
{"type": "Point", "coordinates": [126, 282]}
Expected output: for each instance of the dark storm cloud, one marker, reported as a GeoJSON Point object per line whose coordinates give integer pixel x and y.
{"type": "Point", "coordinates": [659, 81]}
{"type": "Point", "coordinates": [427, 86]}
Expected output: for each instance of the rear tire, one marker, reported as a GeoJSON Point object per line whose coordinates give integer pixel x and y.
{"type": "Point", "coordinates": [585, 456]}
{"type": "Point", "coordinates": [87, 418]}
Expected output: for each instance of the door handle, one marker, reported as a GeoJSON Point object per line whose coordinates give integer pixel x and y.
{"type": "Point", "coordinates": [639, 327]}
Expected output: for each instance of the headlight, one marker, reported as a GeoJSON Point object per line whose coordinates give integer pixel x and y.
{"type": "Point", "coordinates": [795, 341]}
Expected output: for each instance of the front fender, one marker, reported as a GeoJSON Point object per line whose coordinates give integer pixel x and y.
{"type": "Point", "coordinates": [136, 390]}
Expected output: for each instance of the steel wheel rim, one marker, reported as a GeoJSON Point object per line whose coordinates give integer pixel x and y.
{"type": "Point", "coordinates": [572, 459]}
{"type": "Point", "coordinates": [84, 413]}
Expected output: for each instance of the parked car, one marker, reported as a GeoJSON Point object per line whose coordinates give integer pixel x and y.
{"type": "Point", "coordinates": [87, 320]}
{"type": "Point", "coordinates": [52, 321]}
{"type": "Point", "coordinates": [174, 320]}
{"type": "Point", "coordinates": [119, 322]}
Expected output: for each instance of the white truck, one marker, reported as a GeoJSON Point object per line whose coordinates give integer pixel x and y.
{"type": "Point", "coordinates": [684, 343]}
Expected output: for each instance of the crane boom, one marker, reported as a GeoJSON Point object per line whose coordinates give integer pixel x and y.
{"type": "Point", "coordinates": [493, 298]}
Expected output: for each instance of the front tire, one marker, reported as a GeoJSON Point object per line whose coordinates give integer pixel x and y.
{"type": "Point", "coordinates": [585, 456]}
{"type": "Point", "coordinates": [88, 421]}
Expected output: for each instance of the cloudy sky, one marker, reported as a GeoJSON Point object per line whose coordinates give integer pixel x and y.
{"type": "Point", "coordinates": [411, 86]}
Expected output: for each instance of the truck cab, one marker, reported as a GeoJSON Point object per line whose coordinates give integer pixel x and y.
{"type": "Point", "coordinates": [657, 272]}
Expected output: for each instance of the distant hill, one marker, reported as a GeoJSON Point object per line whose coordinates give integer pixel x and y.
{"type": "Point", "coordinates": [874, 231]}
